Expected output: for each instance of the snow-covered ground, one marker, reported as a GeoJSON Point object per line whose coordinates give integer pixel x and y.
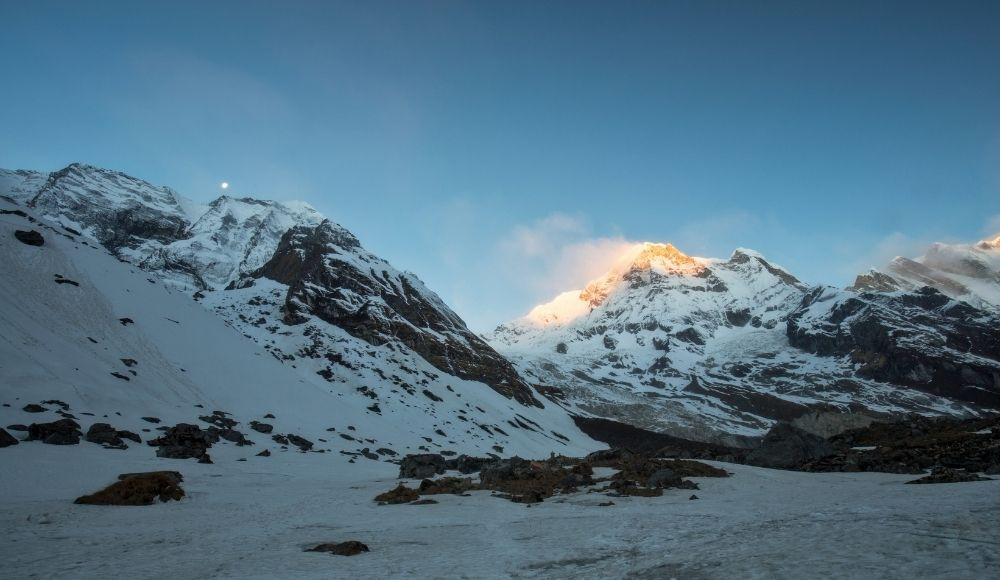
{"type": "Point", "coordinates": [253, 519]}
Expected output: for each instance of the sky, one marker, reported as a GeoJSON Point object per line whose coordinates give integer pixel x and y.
{"type": "Point", "coordinates": [507, 151]}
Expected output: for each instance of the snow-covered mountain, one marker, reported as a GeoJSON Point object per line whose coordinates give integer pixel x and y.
{"type": "Point", "coordinates": [250, 307]}
{"type": "Point", "coordinates": [968, 272]}
{"type": "Point", "coordinates": [700, 347]}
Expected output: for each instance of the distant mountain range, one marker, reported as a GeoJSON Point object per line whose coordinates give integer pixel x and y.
{"type": "Point", "coordinates": [709, 349]}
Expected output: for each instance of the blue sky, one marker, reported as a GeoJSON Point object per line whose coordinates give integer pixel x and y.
{"type": "Point", "coordinates": [504, 150]}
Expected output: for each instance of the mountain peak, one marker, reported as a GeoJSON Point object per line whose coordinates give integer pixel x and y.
{"type": "Point", "coordinates": [653, 255]}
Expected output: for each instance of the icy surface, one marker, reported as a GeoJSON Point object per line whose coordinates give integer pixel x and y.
{"type": "Point", "coordinates": [253, 519]}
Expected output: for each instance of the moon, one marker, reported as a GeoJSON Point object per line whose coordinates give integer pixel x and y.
{"type": "Point", "coordinates": [224, 185]}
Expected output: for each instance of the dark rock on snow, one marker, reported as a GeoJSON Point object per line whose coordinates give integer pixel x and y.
{"type": "Point", "coordinates": [6, 439]}
{"type": "Point", "coordinates": [788, 447]}
{"type": "Point", "coordinates": [948, 475]}
{"type": "Point", "coordinates": [61, 432]}
{"type": "Point", "coordinates": [351, 548]}
{"type": "Point", "coordinates": [138, 489]}
{"type": "Point", "coordinates": [105, 434]}
{"type": "Point", "coordinates": [30, 237]}
{"type": "Point", "coordinates": [184, 441]}
{"type": "Point", "coordinates": [421, 466]}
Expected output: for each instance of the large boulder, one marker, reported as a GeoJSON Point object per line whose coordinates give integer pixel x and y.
{"type": "Point", "coordinates": [111, 438]}
{"type": "Point", "coordinates": [504, 470]}
{"type": "Point", "coordinates": [184, 441]}
{"type": "Point", "coordinates": [61, 432]}
{"type": "Point", "coordinates": [422, 466]}
{"type": "Point", "coordinates": [30, 237]}
{"type": "Point", "coordinates": [138, 489]}
{"type": "Point", "coordinates": [788, 447]}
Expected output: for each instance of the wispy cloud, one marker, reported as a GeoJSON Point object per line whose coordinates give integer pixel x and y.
{"type": "Point", "coordinates": [992, 228]}
{"type": "Point", "coordinates": [556, 253]}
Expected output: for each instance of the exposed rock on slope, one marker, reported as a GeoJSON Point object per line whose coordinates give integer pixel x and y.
{"type": "Point", "coordinates": [331, 276]}
{"type": "Point", "coordinates": [922, 340]}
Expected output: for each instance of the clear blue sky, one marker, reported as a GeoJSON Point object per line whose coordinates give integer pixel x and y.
{"type": "Point", "coordinates": [498, 148]}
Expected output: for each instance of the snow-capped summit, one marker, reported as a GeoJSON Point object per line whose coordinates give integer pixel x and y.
{"type": "Point", "coordinates": [699, 347]}
{"type": "Point", "coordinates": [967, 272]}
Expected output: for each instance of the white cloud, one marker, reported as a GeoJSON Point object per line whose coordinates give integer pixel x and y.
{"type": "Point", "coordinates": [554, 254]}
{"type": "Point", "coordinates": [992, 228]}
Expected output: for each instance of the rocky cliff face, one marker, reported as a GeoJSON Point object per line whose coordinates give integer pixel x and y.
{"type": "Point", "coordinates": [330, 276]}
{"type": "Point", "coordinates": [922, 340]}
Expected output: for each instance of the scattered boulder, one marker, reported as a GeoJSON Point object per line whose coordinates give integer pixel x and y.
{"type": "Point", "coordinates": [261, 427]}
{"type": "Point", "coordinates": [30, 237]}
{"type": "Point", "coordinates": [6, 439]}
{"type": "Point", "coordinates": [446, 485]}
{"type": "Point", "coordinates": [153, 420]}
{"type": "Point", "coordinates": [138, 489]}
{"type": "Point", "coordinates": [401, 494]}
{"type": "Point", "coordinates": [33, 408]}
{"type": "Point", "coordinates": [948, 475]}
{"type": "Point", "coordinates": [300, 442]}
{"type": "Point", "coordinates": [220, 420]}
{"type": "Point", "coordinates": [467, 464]}
{"type": "Point", "coordinates": [788, 447]}
{"type": "Point", "coordinates": [111, 438]}
{"type": "Point", "coordinates": [205, 459]}
{"type": "Point", "coordinates": [423, 502]}
{"type": "Point", "coordinates": [184, 441]}
{"type": "Point", "coordinates": [231, 435]}
{"type": "Point", "coordinates": [421, 466]}
{"type": "Point", "coordinates": [61, 432]}
{"type": "Point", "coordinates": [264, 453]}
{"type": "Point", "coordinates": [17, 427]}
{"type": "Point", "coordinates": [351, 548]}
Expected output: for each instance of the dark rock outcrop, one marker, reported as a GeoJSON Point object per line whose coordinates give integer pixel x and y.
{"type": "Point", "coordinates": [61, 432]}
{"type": "Point", "coordinates": [111, 438]}
{"type": "Point", "coordinates": [320, 265]}
{"type": "Point", "coordinates": [184, 441]}
{"type": "Point", "coordinates": [421, 466]}
{"type": "Point", "coordinates": [351, 548]}
{"type": "Point", "coordinates": [948, 475]}
{"type": "Point", "coordinates": [6, 439]}
{"type": "Point", "coordinates": [399, 494]}
{"type": "Point", "coordinates": [787, 447]}
{"type": "Point", "coordinates": [138, 489]}
{"type": "Point", "coordinates": [921, 340]}
{"type": "Point", "coordinates": [30, 237]}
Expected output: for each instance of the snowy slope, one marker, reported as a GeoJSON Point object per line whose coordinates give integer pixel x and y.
{"type": "Point", "coordinates": [693, 346]}
{"type": "Point", "coordinates": [968, 272]}
{"type": "Point", "coordinates": [63, 341]}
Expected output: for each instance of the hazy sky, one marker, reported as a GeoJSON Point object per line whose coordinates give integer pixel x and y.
{"type": "Point", "coordinates": [504, 150]}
